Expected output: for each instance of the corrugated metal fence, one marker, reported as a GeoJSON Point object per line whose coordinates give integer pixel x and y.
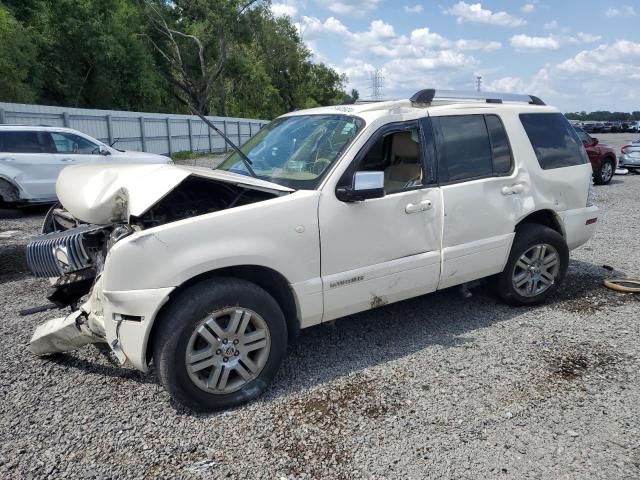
{"type": "Point", "coordinates": [148, 132]}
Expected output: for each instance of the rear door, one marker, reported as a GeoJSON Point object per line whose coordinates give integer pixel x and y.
{"type": "Point", "coordinates": [482, 194]}
{"type": "Point", "coordinates": [31, 154]}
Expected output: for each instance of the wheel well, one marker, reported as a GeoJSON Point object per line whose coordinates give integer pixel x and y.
{"type": "Point", "coordinates": [543, 217]}
{"type": "Point", "coordinates": [271, 281]}
{"type": "Point", "coordinates": [8, 192]}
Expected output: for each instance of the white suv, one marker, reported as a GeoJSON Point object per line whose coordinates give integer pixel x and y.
{"type": "Point", "coordinates": [332, 211]}
{"type": "Point", "coordinates": [31, 158]}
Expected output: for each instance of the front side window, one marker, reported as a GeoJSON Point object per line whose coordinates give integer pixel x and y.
{"type": "Point", "coordinates": [554, 140]}
{"type": "Point", "coordinates": [296, 151]}
{"type": "Point", "coordinates": [26, 142]}
{"type": "Point", "coordinates": [70, 143]}
{"type": "Point", "coordinates": [398, 155]}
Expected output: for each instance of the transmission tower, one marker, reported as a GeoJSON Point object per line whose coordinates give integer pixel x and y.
{"type": "Point", "coordinates": [377, 84]}
{"type": "Point", "coordinates": [479, 83]}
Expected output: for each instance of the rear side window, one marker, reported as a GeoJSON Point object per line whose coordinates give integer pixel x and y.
{"type": "Point", "coordinates": [499, 145]}
{"type": "Point", "coordinates": [464, 150]}
{"type": "Point", "coordinates": [554, 140]}
{"type": "Point", "coordinates": [472, 146]}
{"type": "Point", "coordinates": [26, 142]}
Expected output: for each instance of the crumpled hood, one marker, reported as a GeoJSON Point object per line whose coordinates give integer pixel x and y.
{"type": "Point", "coordinates": [103, 194]}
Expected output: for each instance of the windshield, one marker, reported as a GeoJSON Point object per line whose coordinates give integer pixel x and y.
{"type": "Point", "coordinates": [296, 151]}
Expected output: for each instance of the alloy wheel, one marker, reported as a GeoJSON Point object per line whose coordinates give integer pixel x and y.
{"type": "Point", "coordinates": [228, 349]}
{"type": "Point", "coordinates": [536, 270]}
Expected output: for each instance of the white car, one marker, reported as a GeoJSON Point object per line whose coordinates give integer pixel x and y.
{"type": "Point", "coordinates": [334, 210]}
{"type": "Point", "coordinates": [31, 158]}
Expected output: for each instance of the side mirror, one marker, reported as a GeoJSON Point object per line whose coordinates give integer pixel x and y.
{"type": "Point", "coordinates": [366, 185]}
{"type": "Point", "coordinates": [103, 150]}
{"type": "Point", "coordinates": [595, 141]}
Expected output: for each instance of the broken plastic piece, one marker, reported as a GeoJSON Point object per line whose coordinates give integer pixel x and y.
{"type": "Point", "coordinates": [63, 334]}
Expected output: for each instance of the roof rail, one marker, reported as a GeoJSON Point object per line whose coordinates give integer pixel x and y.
{"type": "Point", "coordinates": [429, 95]}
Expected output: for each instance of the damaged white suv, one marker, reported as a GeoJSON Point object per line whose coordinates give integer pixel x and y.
{"type": "Point", "coordinates": [327, 212]}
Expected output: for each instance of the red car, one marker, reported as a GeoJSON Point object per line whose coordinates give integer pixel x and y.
{"type": "Point", "coordinates": [603, 158]}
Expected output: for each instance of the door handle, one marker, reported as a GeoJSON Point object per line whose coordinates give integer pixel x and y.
{"type": "Point", "coordinates": [513, 189]}
{"type": "Point", "coordinates": [68, 160]}
{"type": "Point", "coordinates": [7, 159]}
{"type": "Point", "coordinates": [417, 207]}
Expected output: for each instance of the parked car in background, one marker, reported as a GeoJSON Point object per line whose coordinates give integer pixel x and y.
{"type": "Point", "coordinates": [592, 127]}
{"type": "Point", "coordinates": [630, 156]}
{"type": "Point", "coordinates": [323, 213]}
{"type": "Point", "coordinates": [602, 158]}
{"type": "Point", "coordinates": [634, 127]}
{"type": "Point", "coordinates": [607, 127]}
{"type": "Point", "coordinates": [31, 158]}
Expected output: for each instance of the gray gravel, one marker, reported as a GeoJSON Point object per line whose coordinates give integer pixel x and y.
{"type": "Point", "coordinates": [435, 387]}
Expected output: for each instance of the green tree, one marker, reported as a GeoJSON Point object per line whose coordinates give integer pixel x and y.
{"type": "Point", "coordinates": [17, 60]}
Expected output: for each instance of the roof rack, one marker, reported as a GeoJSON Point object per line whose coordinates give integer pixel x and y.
{"type": "Point", "coordinates": [430, 95]}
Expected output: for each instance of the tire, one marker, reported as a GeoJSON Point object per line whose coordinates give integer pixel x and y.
{"type": "Point", "coordinates": [529, 240]}
{"type": "Point", "coordinates": [605, 173]}
{"type": "Point", "coordinates": [196, 318]}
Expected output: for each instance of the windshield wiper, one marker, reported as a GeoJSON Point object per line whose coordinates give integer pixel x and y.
{"type": "Point", "coordinates": [246, 160]}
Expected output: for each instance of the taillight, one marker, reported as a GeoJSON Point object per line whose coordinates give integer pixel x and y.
{"type": "Point", "coordinates": [624, 149]}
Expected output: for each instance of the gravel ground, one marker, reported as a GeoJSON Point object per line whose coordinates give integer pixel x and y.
{"type": "Point", "coordinates": [435, 387]}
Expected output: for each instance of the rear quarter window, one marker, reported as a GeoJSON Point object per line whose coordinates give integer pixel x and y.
{"type": "Point", "coordinates": [554, 140]}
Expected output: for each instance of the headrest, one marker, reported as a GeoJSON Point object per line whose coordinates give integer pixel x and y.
{"type": "Point", "coordinates": [404, 146]}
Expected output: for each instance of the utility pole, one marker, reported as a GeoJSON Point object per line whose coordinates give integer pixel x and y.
{"type": "Point", "coordinates": [479, 83]}
{"type": "Point", "coordinates": [377, 84]}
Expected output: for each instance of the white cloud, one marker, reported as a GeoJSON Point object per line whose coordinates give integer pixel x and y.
{"type": "Point", "coordinates": [507, 85]}
{"type": "Point", "coordinates": [525, 42]}
{"type": "Point", "coordinates": [414, 9]}
{"type": "Point", "coordinates": [284, 9]}
{"type": "Point", "coordinates": [528, 8]}
{"type": "Point", "coordinates": [311, 28]}
{"type": "Point", "coordinates": [420, 57]}
{"type": "Point", "coordinates": [623, 11]}
{"type": "Point", "coordinates": [349, 7]}
{"type": "Point", "coordinates": [602, 78]}
{"type": "Point", "coordinates": [471, 45]}
{"type": "Point", "coordinates": [474, 13]}
{"type": "Point", "coordinates": [619, 58]}
{"type": "Point", "coordinates": [582, 37]}
{"type": "Point", "coordinates": [552, 25]}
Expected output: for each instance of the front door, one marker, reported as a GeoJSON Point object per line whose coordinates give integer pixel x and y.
{"type": "Point", "coordinates": [386, 249]}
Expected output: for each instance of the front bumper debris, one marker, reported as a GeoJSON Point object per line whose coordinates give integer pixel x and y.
{"type": "Point", "coordinates": [63, 334]}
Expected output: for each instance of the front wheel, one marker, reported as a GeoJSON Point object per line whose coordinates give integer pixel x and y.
{"type": "Point", "coordinates": [604, 175]}
{"type": "Point", "coordinates": [219, 344]}
{"type": "Point", "coordinates": [536, 266]}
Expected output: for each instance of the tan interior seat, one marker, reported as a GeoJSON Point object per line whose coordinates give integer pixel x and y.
{"type": "Point", "coordinates": [405, 163]}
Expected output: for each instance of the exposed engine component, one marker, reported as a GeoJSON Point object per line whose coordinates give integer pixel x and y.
{"type": "Point", "coordinates": [198, 196]}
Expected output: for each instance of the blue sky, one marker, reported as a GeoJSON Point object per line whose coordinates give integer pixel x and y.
{"type": "Point", "coordinates": [574, 54]}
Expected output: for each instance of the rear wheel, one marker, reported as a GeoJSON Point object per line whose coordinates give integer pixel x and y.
{"type": "Point", "coordinates": [604, 175]}
{"type": "Point", "coordinates": [219, 344]}
{"type": "Point", "coordinates": [536, 266]}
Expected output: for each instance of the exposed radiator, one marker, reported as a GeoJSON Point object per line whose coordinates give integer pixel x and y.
{"type": "Point", "coordinates": [59, 253]}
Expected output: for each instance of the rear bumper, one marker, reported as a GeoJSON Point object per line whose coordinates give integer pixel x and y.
{"type": "Point", "coordinates": [579, 225]}
{"type": "Point", "coordinates": [627, 161]}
